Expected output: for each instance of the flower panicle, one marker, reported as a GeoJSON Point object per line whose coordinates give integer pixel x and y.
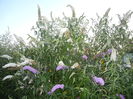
{"type": "Point", "coordinates": [61, 67]}
{"type": "Point", "coordinates": [121, 96]}
{"type": "Point", "coordinates": [102, 54]}
{"type": "Point", "coordinates": [7, 77]}
{"type": "Point", "coordinates": [6, 56]}
{"type": "Point", "coordinates": [85, 57]}
{"type": "Point", "coordinates": [31, 69]}
{"type": "Point", "coordinates": [98, 80]}
{"type": "Point", "coordinates": [57, 86]}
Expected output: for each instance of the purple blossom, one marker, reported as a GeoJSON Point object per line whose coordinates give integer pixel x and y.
{"type": "Point", "coordinates": [102, 54]}
{"type": "Point", "coordinates": [85, 57]}
{"type": "Point", "coordinates": [61, 67]}
{"type": "Point", "coordinates": [57, 86]}
{"type": "Point", "coordinates": [121, 96]}
{"type": "Point", "coordinates": [109, 51]}
{"type": "Point", "coordinates": [31, 69]}
{"type": "Point", "coordinates": [98, 80]}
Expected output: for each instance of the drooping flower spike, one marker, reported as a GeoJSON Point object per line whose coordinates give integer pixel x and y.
{"type": "Point", "coordinates": [6, 56]}
{"type": "Point", "coordinates": [121, 96]}
{"type": "Point", "coordinates": [7, 77]}
{"type": "Point", "coordinates": [9, 65]}
{"type": "Point", "coordinates": [102, 54]}
{"type": "Point", "coordinates": [31, 69]}
{"type": "Point", "coordinates": [109, 51]}
{"type": "Point", "coordinates": [113, 55]}
{"type": "Point", "coordinates": [26, 61]}
{"type": "Point", "coordinates": [61, 67]}
{"type": "Point", "coordinates": [85, 57]}
{"type": "Point", "coordinates": [75, 65]}
{"type": "Point", "coordinates": [98, 80]}
{"type": "Point", "coordinates": [57, 86]}
{"type": "Point", "coordinates": [61, 63]}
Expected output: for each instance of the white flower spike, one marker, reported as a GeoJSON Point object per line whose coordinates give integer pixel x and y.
{"type": "Point", "coordinates": [113, 55]}
{"type": "Point", "coordinates": [7, 77]}
{"type": "Point", "coordinates": [61, 63]}
{"type": "Point", "coordinates": [6, 56]}
{"type": "Point", "coordinates": [9, 65]}
{"type": "Point", "coordinates": [75, 65]}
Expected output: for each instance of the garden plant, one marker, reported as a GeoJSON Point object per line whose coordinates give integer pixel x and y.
{"type": "Point", "coordinates": [69, 58]}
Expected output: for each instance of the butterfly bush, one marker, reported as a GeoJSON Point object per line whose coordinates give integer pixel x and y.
{"type": "Point", "coordinates": [31, 69]}
{"type": "Point", "coordinates": [98, 80]}
{"type": "Point", "coordinates": [57, 86]}
{"type": "Point", "coordinates": [85, 57]}
{"type": "Point", "coordinates": [54, 40]}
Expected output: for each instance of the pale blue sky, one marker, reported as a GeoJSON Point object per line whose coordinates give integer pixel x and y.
{"type": "Point", "coordinates": [16, 12]}
{"type": "Point", "coordinates": [21, 15]}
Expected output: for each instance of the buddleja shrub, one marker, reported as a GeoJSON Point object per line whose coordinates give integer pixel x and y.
{"type": "Point", "coordinates": [7, 47]}
{"type": "Point", "coordinates": [60, 39]}
{"type": "Point", "coordinates": [66, 39]}
{"type": "Point", "coordinates": [72, 64]}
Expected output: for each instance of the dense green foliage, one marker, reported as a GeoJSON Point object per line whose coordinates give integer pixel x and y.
{"type": "Point", "coordinates": [67, 39]}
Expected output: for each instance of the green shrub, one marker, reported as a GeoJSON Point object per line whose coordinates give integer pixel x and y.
{"type": "Point", "coordinates": [67, 40]}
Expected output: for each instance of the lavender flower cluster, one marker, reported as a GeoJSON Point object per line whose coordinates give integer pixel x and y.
{"type": "Point", "coordinates": [97, 80]}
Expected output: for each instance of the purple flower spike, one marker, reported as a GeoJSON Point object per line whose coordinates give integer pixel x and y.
{"type": "Point", "coordinates": [61, 67]}
{"type": "Point", "coordinates": [31, 69]}
{"type": "Point", "coordinates": [102, 54]}
{"type": "Point", "coordinates": [121, 96]}
{"type": "Point", "coordinates": [109, 51]}
{"type": "Point", "coordinates": [85, 57]}
{"type": "Point", "coordinates": [57, 86]}
{"type": "Point", "coordinates": [98, 80]}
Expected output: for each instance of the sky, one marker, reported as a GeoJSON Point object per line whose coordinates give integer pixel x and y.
{"type": "Point", "coordinates": [21, 15]}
